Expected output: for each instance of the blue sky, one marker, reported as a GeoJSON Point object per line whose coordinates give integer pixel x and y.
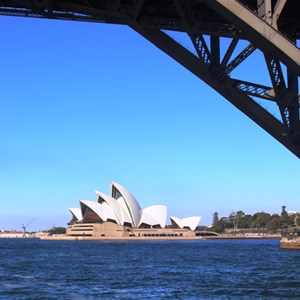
{"type": "Point", "coordinates": [86, 104]}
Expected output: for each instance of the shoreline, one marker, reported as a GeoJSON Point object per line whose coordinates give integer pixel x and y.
{"type": "Point", "coordinates": [82, 238]}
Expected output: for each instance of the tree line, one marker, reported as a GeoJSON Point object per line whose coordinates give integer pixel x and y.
{"type": "Point", "coordinates": [259, 221]}
{"type": "Point", "coordinates": [57, 230]}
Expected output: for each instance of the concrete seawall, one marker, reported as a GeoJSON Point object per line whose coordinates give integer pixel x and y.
{"type": "Point", "coordinates": [141, 238]}
{"type": "Point", "coordinates": [126, 238]}
{"type": "Point", "coordinates": [290, 242]}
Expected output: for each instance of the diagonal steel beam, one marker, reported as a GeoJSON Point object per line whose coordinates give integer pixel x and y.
{"type": "Point", "coordinates": [229, 52]}
{"type": "Point", "coordinates": [240, 58]}
{"type": "Point", "coordinates": [198, 41]}
{"type": "Point", "coordinates": [258, 31]}
{"type": "Point", "coordinates": [227, 88]}
{"type": "Point", "coordinates": [286, 95]}
{"type": "Point", "coordinates": [255, 90]}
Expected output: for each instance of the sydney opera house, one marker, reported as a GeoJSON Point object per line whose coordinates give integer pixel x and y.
{"type": "Point", "coordinates": [120, 215]}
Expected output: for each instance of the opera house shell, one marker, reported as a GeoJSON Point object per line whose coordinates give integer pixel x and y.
{"type": "Point", "coordinates": [119, 214]}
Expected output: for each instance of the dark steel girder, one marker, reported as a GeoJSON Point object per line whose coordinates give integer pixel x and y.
{"type": "Point", "coordinates": [255, 90]}
{"type": "Point", "coordinates": [227, 88]}
{"type": "Point", "coordinates": [201, 20]}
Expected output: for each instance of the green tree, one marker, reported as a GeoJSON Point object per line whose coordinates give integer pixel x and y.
{"type": "Point", "coordinates": [215, 218]}
{"type": "Point", "coordinates": [239, 216]}
{"type": "Point", "coordinates": [286, 220]}
{"type": "Point", "coordinates": [235, 217]}
{"type": "Point", "coordinates": [201, 228]}
{"type": "Point", "coordinates": [220, 226]}
{"type": "Point", "coordinates": [260, 220]}
{"type": "Point", "coordinates": [274, 223]}
{"type": "Point", "coordinates": [225, 222]}
{"type": "Point", "coordinates": [245, 221]}
{"type": "Point", "coordinates": [57, 230]}
{"type": "Point", "coordinates": [283, 211]}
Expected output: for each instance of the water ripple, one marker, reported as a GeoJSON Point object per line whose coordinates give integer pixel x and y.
{"type": "Point", "coordinates": [34, 269]}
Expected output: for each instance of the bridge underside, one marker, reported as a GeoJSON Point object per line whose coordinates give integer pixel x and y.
{"type": "Point", "coordinates": [222, 36]}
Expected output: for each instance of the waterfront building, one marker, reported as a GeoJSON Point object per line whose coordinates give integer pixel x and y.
{"type": "Point", "coordinates": [119, 214]}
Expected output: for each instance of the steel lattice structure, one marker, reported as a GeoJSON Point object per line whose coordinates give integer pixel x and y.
{"type": "Point", "coordinates": [269, 26]}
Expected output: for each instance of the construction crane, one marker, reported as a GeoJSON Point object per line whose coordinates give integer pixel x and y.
{"type": "Point", "coordinates": [25, 226]}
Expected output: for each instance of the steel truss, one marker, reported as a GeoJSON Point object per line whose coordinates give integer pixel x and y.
{"type": "Point", "coordinates": [206, 22]}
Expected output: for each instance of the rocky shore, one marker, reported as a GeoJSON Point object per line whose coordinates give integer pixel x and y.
{"type": "Point", "coordinates": [290, 242]}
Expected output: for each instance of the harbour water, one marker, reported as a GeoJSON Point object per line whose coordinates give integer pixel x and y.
{"type": "Point", "coordinates": [204, 269]}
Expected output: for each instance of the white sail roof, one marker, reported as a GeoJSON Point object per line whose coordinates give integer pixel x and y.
{"type": "Point", "coordinates": [93, 206]}
{"type": "Point", "coordinates": [176, 221]}
{"type": "Point", "coordinates": [125, 216]}
{"type": "Point", "coordinates": [154, 215]}
{"type": "Point", "coordinates": [190, 222]}
{"type": "Point", "coordinates": [131, 204]}
{"type": "Point", "coordinates": [122, 208]}
{"type": "Point", "coordinates": [112, 205]}
{"type": "Point", "coordinates": [76, 212]}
